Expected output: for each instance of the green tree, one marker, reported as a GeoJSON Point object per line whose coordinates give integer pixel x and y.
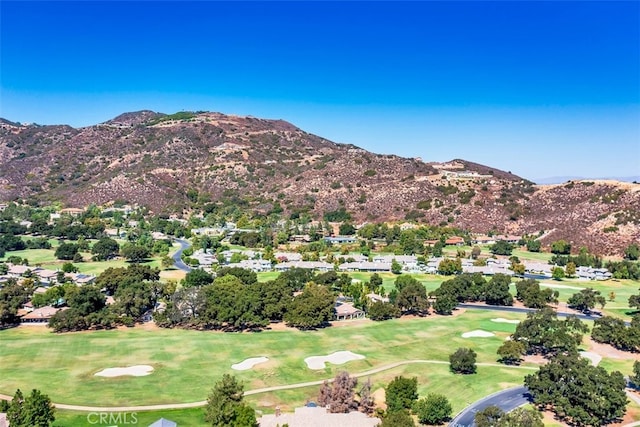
{"type": "Point", "coordinates": [197, 278]}
{"type": "Point", "coordinates": [313, 308]}
{"type": "Point", "coordinates": [511, 352]}
{"type": "Point", "coordinates": [412, 298]}
{"type": "Point", "coordinates": [66, 251]}
{"type": "Point", "coordinates": [463, 361]}
{"type": "Point", "coordinates": [445, 304]}
{"type": "Point", "coordinates": [521, 417]}
{"type": "Point", "coordinates": [501, 247]}
{"type": "Point", "coordinates": [528, 291]}
{"type": "Point", "coordinates": [401, 393]}
{"type": "Point", "coordinates": [380, 310]}
{"type": "Point", "coordinates": [105, 248]}
{"type": "Point", "coordinates": [397, 419]}
{"type": "Point", "coordinates": [533, 245]}
{"type": "Point", "coordinates": [396, 267]}
{"type": "Point", "coordinates": [585, 300]}
{"type": "Point", "coordinates": [578, 392]}
{"type": "Point", "coordinates": [449, 266]}
{"type": "Point", "coordinates": [135, 253]}
{"type": "Point", "coordinates": [225, 406]}
{"type": "Point", "coordinates": [34, 410]}
{"type": "Point", "coordinates": [434, 409]}
{"type": "Point", "coordinates": [557, 273]}
{"type": "Point", "coordinates": [489, 416]}
{"type": "Point", "coordinates": [496, 291]}
{"type": "Point", "coordinates": [543, 333]}
{"type": "Point", "coordinates": [68, 267]}
{"type": "Point", "coordinates": [632, 252]}
{"type": "Point", "coordinates": [561, 247]}
{"type": "Point", "coordinates": [635, 378]}
{"type": "Point", "coordinates": [570, 269]}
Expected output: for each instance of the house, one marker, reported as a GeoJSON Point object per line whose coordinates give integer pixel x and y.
{"type": "Point", "coordinates": [82, 279]}
{"type": "Point", "coordinates": [310, 265]}
{"type": "Point", "coordinates": [483, 240]}
{"type": "Point", "coordinates": [338, 240]}
{"type": "Point", "coordinates": [287, 256]}
{"type": "Point", "coordinates": [377, 298]}
{"type": "Point", "coordinates": [163, 422]}
{"type": "Point", "coordinates": [19, 270]}
{"type": "Point", "coordinates": [454, 240]}
{"type": "Point", "coordinates": [72, 211]}
{"type": "Point", "coordinates": [41, 315]}
{"type": "Point", "coordinates": [365, 266]}
{"type": "Point", "coordinates": [346, 310]}
{"type": "Point", "coordinates": [257, 265]}
{"type": "Point", "coordinates": [315, 416]}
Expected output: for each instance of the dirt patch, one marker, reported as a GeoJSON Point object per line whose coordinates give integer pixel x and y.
{"type": "Point", "coordinates": [605, 350]}
{"type": "Point", "coordinates": [535, 358]}
{"type": "Point", "coordinates": [379, 398]}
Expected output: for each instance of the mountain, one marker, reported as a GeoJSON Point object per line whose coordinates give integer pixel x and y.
{"type": "Point", "coordinates": [166, 162]}
{"type": "Point", "coordinates": [563, 179]}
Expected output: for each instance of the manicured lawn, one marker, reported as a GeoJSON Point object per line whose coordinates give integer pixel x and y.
{"type": "Point", "coordinates": [35, 256]}
{"type": "Point", "coordinates": [187, 363]}
{"type": "Point", "coordinates": [183, 417]}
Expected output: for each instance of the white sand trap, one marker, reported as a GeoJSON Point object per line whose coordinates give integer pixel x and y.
{"type": "Point", "coordinates": [337, 358]}
{"type": "Point", "coordinates": [478, 334]}
{"type": "Point", "coordinates": [594, 357]}
{"type": "Point", "coordinates": [249, 363]}
{"type": "Point", "coordinates": [503, 320]}
{"type": "Point", "coordinates": [134, 371]}
{"type": "Point", "coordinates": [553, 285]}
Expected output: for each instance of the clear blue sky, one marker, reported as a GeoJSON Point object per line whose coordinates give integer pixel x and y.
{"type": "Point", "coordinates": [538, 88]}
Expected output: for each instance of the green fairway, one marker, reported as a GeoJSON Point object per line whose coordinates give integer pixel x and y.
{"type": "Point", "coordinates": [187, 363]}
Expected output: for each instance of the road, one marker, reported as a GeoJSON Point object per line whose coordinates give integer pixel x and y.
{"type": "Point", "coordinates": [507, 400]}
{"type": "Point", "coordinates": [509, 309]}
{"type": "Point", "coordinates": [177, 260]}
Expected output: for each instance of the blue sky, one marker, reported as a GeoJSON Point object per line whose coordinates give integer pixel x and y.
{"type": "Point", "coordinates": [538, 88]}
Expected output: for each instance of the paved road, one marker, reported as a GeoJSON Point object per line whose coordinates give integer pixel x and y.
{"type": "Point", "coordinates": [177, 261]}
{"type": "Point", "coordinates": [255, 391]}
{"type": "Point", "coordinates": [507, 400]}
{"type": "Point", "coordinates": [525, 310]}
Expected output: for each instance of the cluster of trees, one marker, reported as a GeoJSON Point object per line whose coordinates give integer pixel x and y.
{"type": "Point", "coordinates": [235, 300]}
{"type": "Point", "coordinates": [339, 396]}
{"type": "Point", "coordinates": [529, 293]}
{"type": "Point", "coordinates": [401, 396]}
{"type": "Point", "coordinates": [578, 392]}
{"type": "Point", "coordinates": [13, 295]}
{"type": "Point", "coordinates": [408, 297]}
{"type": "Point", "coordinates": [472, 287]}
{"type": "Point", "coordinates": [135, 289]}
{"type": "Point", "coordinates": [33, 410]}
{"type": "Point", "coordinates": [614, 331]}
{"type": "Point", "coordinates": [586, 300]}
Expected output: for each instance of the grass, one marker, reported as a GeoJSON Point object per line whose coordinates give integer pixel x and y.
{"type": "Point", "coordinates": [183, 417]}
{"type": "Point", "coordinates": [187, 363]}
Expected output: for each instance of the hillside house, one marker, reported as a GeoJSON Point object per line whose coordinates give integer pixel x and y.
{"type": "Point", "coordinates": [454, 241]}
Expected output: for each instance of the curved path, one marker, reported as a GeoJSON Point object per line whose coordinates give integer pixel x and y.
{"type": "Point", "coordinates": [510, 309]}
{"type": "Point", "coordinates": [177, 260]}
{"type": "Point", "coordinates": [507, 400]}
{"type": "Point", "coordinates": [255, 391]}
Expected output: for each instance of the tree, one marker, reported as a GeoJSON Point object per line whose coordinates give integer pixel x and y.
{"type": "Point", "coordinates": [511, 352]}
{"type": "Point", "coordinates": [105, 248]}
{"type": "Point", "coordinates": [578, 392]}
{"type": "Point", "coordinates": [632, 252]}
{"type": "Point", "coordinates": [166, 262]}
{"type": "Point", "coordinates": [380, 310]}
{"type": "Point", "coordinates": [501, 247]}
{"type": "Point", "coordinates": [397, 419]}
{"type": "Point", "coordinates": [496, 291]}
{"type": "Point", "coordinates": [635, 378]}
{"type": "Point", "coordinates": [68, 267]}
{"type": "Point", "coordinates": [135, 253]}
{"type": "Point", "coordinates": [197, 278]}
{"type": "Point", "coordinates": [449, 266]}
{"type": "Point", "coordinates": [225, 406]}
{"type": "Point", "coordinates": [66, 251]}
{"type": "Point", "coordinates": [445, 304]}
{"type": "Point", "coordinates": [557, 273]}
{"type": "Point", "coordinates": [35, 410]}
{"type": "Point", "coordinates": [434, 409]}
{"type": "Point", "coordinates": [313, 308]}
{"type": "Point", "coordinates": [396, 267]}
{"type": "Point", "coordinates": [475, 252]}
{"type": "Point", "coordinates": [570, 269]}
{"type": "Point", "coordinates": [489, 416]}
{"type": "Point", "coordinates": [543, 333]}
{"type": "Point", "coordinates": [528, 291]}
{"type": "Point", "coordinates": [533, 245]}
{"type": "Point", "coordinates": [561, 247]}
{"type": "Point", "coordinates": [375, 283]}
{"type": "Point", "coordinates": [367, 403]}
{"type": "Point", "coordinates": [412, 298]}
{"type": "Point", "coordinates": [339, 396]}
{"type": "Point", "coordinates": [346, 229]}
{"type": "Point", "coordinates": [521, 417]}
{"type": "Point", "coordinates": [463, 361]}
{"type": "Point", "coordinates": [401, 393]}
{"type": "Point", "coordinates": [585, 300]}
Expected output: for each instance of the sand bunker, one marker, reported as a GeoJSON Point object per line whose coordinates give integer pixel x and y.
{"type": "Point", "coordinates": [594, 357]}
{"type": "Point", "coordinates": [134, 371]}
{"type": "Point", "coordinates": [337, 358]}
{"type": "Point", "coordinates": [478, 334]}
{"type": "Point", "coordinates": [502, 320]}
{"type": "Point", "coordinates": [249, 363]}
{"type": "Point", "coordinates": [553, 285]}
